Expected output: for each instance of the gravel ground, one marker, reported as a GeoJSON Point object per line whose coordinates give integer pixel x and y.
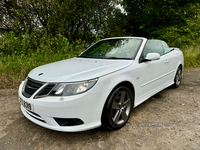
{"type": "Point", "coordinates": [169, 120]}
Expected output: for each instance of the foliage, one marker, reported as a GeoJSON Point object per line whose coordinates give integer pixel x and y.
{"type": "Point", "coordinates": [191, 56]}
{"type": "Point", "coordinates": [87, 19]}
{"type": "Point", "coordinates": [181, 35]}
{"type": "Point", "coordinates": [73, 19]}
{"type": "Point", "coordinates": [27, 44]}
{"type": "Point", "coordinates": [48, 31]}
{"type": "Point", "coordinates": [19, 66]}
{"type": "Point", "coordinates": [144, 17]}
{"type": "Point", "coordinates": [16, 63]}
{"type": "Point", "coordinates": [18, 55]}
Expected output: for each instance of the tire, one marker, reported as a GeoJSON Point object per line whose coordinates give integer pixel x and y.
{"type": "Point", "coordinates": [117, 109]}
{"type": "Point", "coordinates": [177, 78]}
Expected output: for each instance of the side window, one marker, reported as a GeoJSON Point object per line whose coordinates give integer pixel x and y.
{"type": "Point", "coordinates": [156, 47]}
{"type": "Point", "coordinates": [165, 47]}
{"type": "Point", "coordinates": [153, 46]}
{"type": "Point", "coordinates": [146, 49]}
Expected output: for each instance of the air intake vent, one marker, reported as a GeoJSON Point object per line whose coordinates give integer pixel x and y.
{"type": "Point", "coordinates": [31, 87]}
{"type": "Point", "coordinates": [69, 121]}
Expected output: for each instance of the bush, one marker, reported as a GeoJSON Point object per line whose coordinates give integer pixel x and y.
{"type": "Point", "coordinates": [191, 56]}
{"type": "Point", "coordinates": [19, 55]}
{"type": "Point", "coordinates": [36, 42]}
{"type": "Point", "coordinates": [182, 34]}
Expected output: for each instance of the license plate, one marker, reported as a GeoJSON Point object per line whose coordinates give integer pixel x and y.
{"type": "Point", "coordinates": [26, 104]}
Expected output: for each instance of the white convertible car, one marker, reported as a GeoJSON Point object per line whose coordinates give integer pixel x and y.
{"type": "Point", "coordinates": [100, 86]}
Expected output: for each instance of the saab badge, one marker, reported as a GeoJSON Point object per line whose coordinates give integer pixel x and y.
{"type": "Point", "coordinates": [40, 74]}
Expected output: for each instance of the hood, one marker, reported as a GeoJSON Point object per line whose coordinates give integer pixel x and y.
{"type": "Point", "coordinates": [77, 69]}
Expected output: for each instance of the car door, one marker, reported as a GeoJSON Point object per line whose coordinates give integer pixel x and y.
{"type": "Point", "coordinates": [171, 60]}
{"type": "Point", "coordinates": [151, 74]}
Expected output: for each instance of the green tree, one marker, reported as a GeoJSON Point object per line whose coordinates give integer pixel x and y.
{"type": "Point", "coordinates": [146, 16]}
{"type": "Point", "coordinates": [74, 19]}
{"type": "Point", "coordinates": [182, 34]}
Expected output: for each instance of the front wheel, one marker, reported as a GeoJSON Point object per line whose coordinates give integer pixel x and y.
{"type": "Point", "coordinates": [117, 109]}
{"type": "Point", "coordinates": [178, 77]}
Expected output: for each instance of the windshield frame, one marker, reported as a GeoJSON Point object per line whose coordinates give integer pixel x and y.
{"type": "Point", "coordinates": [114, 58]}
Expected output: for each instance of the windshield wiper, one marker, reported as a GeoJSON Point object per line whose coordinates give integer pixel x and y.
{"type": "Point", "coordinates": [103, 57]}
{"type": "Point", "coordinates": [84, 57]}
{"type": "Point", "coordinates": [90, 57]}
{"type": "Point", "coordinates": [115, 58]}
{"type": "Point", "coordinates": [111, 57]}
{"type": "Point", "coordinates": [172, 49]}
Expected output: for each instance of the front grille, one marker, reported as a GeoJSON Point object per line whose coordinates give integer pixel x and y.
{"type": "Point", "coordinates": [31, 87]}
{"type": "Point", "coordinates": [45, 91]}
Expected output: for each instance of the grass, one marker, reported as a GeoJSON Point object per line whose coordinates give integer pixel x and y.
{"type": "Point", "coordinates": [14, 68]}
{"type": "Point", "coordinates": [19, 66]}
{"type": "Point", "coordinates": [191, 56]}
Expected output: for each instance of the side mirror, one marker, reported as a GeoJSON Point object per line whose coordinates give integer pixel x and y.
{"type": "Point", "coordinates": [152, 56]}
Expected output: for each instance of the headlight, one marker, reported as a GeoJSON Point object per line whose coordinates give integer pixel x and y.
{"type": "Point", "coordinates": [67, 89]}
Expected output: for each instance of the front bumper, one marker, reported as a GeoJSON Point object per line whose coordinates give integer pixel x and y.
{"type": "Point", "coordinates": [87, 107]}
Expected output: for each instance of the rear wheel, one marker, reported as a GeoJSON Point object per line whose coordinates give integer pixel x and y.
{"type": "Point", "coordinates": [178, 77]}
{"type": "Point", "coordinates": [117, 109]}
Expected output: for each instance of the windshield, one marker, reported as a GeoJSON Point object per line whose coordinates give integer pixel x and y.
{"type": "Point", "coordinates": [113, 49]}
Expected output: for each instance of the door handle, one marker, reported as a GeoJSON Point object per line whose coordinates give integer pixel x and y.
{"type": "Point", "coordinates": [166, 61]}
